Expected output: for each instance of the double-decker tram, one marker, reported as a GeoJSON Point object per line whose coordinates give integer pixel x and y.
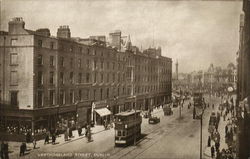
{"type": "Point", "coordinates": [127, 127]}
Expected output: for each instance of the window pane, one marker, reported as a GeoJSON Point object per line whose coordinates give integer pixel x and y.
{"type": "Point", "coordinates": [51, 80]}
{"type": "Point", "coordinates": [39, 98]}
{"type": "Point", "coordinates": [13, 42]}
{"type": "Point", "coordinates": [13, 59]}
{"type": "Point", "coordinates": [40, 78]}
{"type": "Point", "coordinates": [51, 97]}
{"type": "Point", "coordinates": [13, 78]}
{"type": "Point", "coordinates": [39, 59]}
{"type": "Point", "coordinates": [51, 60]}
{"type": "Point", "coordinates": [62, 97]}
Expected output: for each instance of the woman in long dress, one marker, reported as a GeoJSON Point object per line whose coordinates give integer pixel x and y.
{"type": "Point", "coordinates": [66, 135]}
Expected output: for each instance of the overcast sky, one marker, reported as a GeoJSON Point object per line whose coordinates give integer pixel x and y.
{"type": "Point", "coordinates": [196, 33]}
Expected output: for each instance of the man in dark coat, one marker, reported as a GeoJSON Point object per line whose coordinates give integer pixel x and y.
{"type": "Point", "coordinates": [217, 146]}
{"type": "Point", "coordinates": [212, 151]}
{"type": "Point", "coordinates": [22, 149]}
{"type": "Point", "coordinates": [209, 141]}
{"type": "Point", "coordinates": [70, 132]}
{"type": "Point", "coordinates": [6, 151]}
{"type": "Point", "coordinates": [53, 138]}
{"type": "Point", "coordinates": [194, 113]}
{"type": "Point", "coordinates": [46, 141]}
{"type": "Point", "coordinates": [79, 129]}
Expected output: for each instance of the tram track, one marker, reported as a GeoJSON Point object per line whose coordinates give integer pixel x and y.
{"type": "Point", "coordinates": [154, 133]}
{"type": "Point", "coordinates": [140, 151]}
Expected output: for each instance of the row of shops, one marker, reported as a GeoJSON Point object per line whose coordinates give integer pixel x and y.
{"type": "Point", "coordinates": [16, 122]}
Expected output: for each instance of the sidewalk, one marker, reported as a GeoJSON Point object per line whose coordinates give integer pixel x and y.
{"type": "Point", "coordinates": [221, 130]}
{"type": "Point", "coordinates": [14, 147]}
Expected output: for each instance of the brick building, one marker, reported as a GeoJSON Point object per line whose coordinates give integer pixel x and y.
{"type": "Point", "coordinates": [52, 82]}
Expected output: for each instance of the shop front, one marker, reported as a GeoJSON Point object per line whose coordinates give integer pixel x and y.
{"type": "Point", "coordinates": [15, 124]}
{"type": "Point", "coordinates": [100, 112]}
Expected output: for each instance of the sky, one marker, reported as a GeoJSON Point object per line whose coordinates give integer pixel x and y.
{"type": "Point", "coordinates": [196, 33]}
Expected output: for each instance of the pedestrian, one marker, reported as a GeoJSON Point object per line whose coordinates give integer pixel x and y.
{"type": "Point", "coordinates": [226, 129]}
{"type": "Point", "coordinates": [6, 151]}
{"type": "Point", "coordinates": [86, 129]}
{"type": "Point", "coordinates": [217, 146]}
{"type": "Point", "coordinates": [209, 141]}
{"type": "Point", "coordinates": [66, 135]}
{"type": "Point", "coordinates": [194, 113]}
{"type": "Point", "coordinates": [212, 151]}
{"type": "Point", "coordinates": [53, 138]}
{"type": "Point", "coordinates": [70, 132]}
{"type": "Point", "coordinates": [213, 106]}
{"type": "Point", "coordinates": [46, 141]}
{"type": "Point", "coordinates": [23, 148]}
{"type": "Point", "coordinates": [89, 134]}
{"type": "Point", "coordinates": [104, 124]}
{"type": "Point", "coordinates": [28, 137]}
{"type": "Point", "coordinates": [34, 142]}
{"type": "Point", "coordinates": [79, 130]}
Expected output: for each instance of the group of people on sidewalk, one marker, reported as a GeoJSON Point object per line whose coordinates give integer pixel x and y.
{"type": "Point", "coordinates": [223, 153]}
{"type": "Point", "coordinates": [53, 134]}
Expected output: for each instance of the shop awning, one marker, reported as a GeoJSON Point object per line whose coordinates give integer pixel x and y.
{"type": "Point", "coordinates": [103, 111]}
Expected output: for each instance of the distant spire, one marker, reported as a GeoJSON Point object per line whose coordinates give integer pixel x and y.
{"type": "Point", "coordinates": [176, 69]}
{"type": "Point", "coordinates": [128, 43]}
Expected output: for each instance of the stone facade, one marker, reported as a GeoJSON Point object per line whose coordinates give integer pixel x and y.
{"type": "Point", "coordinates": [58, 78]}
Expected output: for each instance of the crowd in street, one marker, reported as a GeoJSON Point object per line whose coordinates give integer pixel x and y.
{"type": "Point", "coordinates": [225, 110]}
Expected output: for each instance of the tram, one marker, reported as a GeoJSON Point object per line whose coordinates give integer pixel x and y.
{"type": "Point", "coordinates": [127, 127]}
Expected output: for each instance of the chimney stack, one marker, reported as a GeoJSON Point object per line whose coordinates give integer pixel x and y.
{"type": "Point", "coordinates": [63, 32]}
{"type": "Point", "coordinates": [16, 25]}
